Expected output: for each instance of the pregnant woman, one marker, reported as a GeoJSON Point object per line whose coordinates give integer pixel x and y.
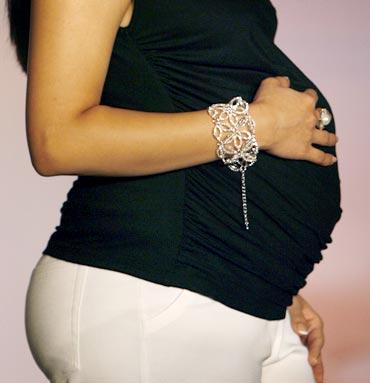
{"type": "Point", "coordinates": [168, 265]}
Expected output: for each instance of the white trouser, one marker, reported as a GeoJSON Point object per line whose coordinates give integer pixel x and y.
{"type": "Point", "coordinates": [90, 325]}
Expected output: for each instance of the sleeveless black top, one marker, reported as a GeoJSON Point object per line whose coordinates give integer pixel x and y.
{"type": "Point", "coordinates": [185, 227]}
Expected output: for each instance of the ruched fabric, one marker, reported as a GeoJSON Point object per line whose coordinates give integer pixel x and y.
{"type": "Point", "coordinates": [185, 228]}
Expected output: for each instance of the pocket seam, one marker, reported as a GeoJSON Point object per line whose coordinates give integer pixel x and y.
{"type": "Point", "coordinates": [168, 314]}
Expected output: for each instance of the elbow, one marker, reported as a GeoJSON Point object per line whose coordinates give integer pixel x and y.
{"type": "Point", "coordinates": [44, 170]}
{"type": "Point", "coordinates": [44, 164]}
{"type": "Point", "coordinates": [46, 157]}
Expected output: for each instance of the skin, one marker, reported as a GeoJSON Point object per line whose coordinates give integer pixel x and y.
{"type": "Point", "coordinates": [304, 317]}
{"type": "Point", "coordinates": [70, 133]}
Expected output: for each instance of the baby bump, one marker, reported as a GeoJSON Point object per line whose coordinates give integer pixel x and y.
{"type": "Point", "coordinates": [292, 209]}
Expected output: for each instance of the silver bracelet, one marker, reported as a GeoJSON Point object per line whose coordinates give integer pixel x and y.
{"type": "Point", "coordinates": [235, 131]}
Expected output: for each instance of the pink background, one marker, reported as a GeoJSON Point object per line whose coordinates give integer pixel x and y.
{"type": "Point", "coordinates": [328, 40]}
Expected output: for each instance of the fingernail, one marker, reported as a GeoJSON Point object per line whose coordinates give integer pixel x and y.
{"type": "Point", "coordinates": [333, 159]}
{"type": "Point", "coordinates": [302, 329]}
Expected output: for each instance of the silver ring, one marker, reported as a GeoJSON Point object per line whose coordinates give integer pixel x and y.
{"type": "Point", "coordinates": [325, 118]}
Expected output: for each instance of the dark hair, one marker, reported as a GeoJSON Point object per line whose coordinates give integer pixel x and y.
{"type": "Point", "coordinates": [19, 28]}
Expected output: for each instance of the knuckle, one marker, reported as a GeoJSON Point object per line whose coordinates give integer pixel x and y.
{"type": "Point", "coordinates": [312, 120]}
{"type": "Point", "coordinates": [269, 79]}
{"type": "Point", "coordinates": [304, 151]}
{"type": "Point", "coordinates": [308, 98]}
{"type": "Point", "coordinates": [314, 93]}
{"type": "Point", "coordinates": [309, 135]}
{"type": "Point", "coordinates": [329, 138]}
{"type": "Point", "coordinates": [317, 136]}
{"type": "Point", "coordinates": [333, 138]}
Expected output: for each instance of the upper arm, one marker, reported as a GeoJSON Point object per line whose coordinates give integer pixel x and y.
{"type": "Point", "coordinates": [69, 51]}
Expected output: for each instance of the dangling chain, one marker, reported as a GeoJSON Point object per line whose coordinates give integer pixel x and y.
{"type": "Point", "coordinates": [235, 132]}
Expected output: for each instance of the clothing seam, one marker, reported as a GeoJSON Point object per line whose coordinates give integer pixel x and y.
{"type": "Point", "coordinates": [78, 292]}
{"type": "Point", "coordinates": [278, 340]}
{"type": "Point", "coordinates": [144, 375]}
{"type": "Point", "coordinates": [75, 364]}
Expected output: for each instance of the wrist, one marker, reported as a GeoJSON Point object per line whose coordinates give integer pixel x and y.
{"type": "Point", "coordinates": [265, 124]}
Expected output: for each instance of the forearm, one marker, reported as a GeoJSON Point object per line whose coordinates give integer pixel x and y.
{"type": "Point", "coordinates": [109, 141]}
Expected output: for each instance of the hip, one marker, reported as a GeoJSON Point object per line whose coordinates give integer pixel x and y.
{"type": "Point", "coordinates": [98, 325]}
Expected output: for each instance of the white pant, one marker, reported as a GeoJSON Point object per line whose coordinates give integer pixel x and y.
{"type": "Point", "coordinates": [91, 325]}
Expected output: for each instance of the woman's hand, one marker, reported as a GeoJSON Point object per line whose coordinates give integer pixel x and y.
{"type": "Point", "coordinates": [294, 117]}
{"type": "Point", "coordinates": [308, 324]}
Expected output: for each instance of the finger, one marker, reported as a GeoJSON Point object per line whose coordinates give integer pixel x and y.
{"type": "Point", "coordinates": [319, 157]}
{"type": "Point", "coordinates": [315, 343]}
{"type": "Point", "coordinates": [312, 93]}
{"type": "Point", "coordinates": [276, 81]}
{"type": "Point", "coordinates": [323, 137]}
{"type": "Point", "coordinates": [284, 81]}
{"type": "Point", "coordinates": [318, 371]}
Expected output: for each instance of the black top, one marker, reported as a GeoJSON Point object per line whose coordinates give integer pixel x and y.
{"type": "Point", "coordinates": [185, 228]}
